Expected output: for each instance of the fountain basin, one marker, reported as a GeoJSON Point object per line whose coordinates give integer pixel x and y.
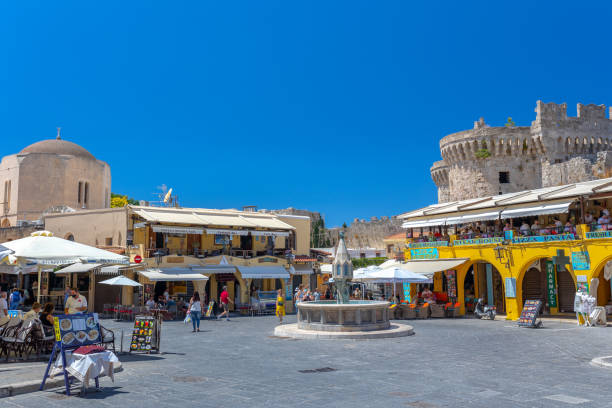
{"type": "Point", "coordinates": [357, 315]}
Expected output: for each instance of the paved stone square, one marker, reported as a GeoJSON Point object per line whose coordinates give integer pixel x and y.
{"type": "Point", "coordinates": [447, 363]}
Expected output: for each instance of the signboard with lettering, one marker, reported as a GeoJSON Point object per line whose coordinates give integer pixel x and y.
{"type": "Point", "coordinates": [582, 284]}
{"type": "Point", "coordinates": [407, 297]}
{"type": "Point", "coordinates": [144, 334]}
{"type": "Point", "coordinates": [478, 241]}
{"type": "Point", "coordinates": [428, 244]}
{"type": "Point", "coordinates": [508, 235]}
{"type": "Point", "coordinates": [543, 238]}
{"type": "Point", "coordinates": [580, 261]}
{"type": "Point", "coordinates": [551, 285]}
{"type": "Point", "coordinates": [598, 234]}
{"type": "Point", "coordinates": [77, 330]}
{"type": "Point", "coordinates": [424, 253]}
{"type": "Point", "coordinates": [531, 311]}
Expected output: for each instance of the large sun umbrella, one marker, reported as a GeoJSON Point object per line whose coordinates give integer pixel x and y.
{"type": "Point", "coordinates": [4, 252]}
{"type": "Point", "coordinates": [121, 281]}
{"type": "Point", "coordinates": [43, 248]}
{"type": "Point", "coordinates": [394, 275]}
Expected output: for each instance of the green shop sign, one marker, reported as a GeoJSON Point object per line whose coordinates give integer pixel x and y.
{"type": "Point", "coordinates": [551, 285]}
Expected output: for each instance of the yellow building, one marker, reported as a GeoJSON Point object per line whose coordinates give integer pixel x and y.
{"type": "Point", "coordinates": [249, 252]}
{"type": "Point", "coordinates": [510, 257]}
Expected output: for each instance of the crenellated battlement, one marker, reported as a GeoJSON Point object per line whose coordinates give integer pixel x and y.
{"type": "Point", "coordinates": [498, 159]}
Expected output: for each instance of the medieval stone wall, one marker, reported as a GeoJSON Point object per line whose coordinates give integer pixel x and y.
{"type": "Point", "coordinates": [554, 150]}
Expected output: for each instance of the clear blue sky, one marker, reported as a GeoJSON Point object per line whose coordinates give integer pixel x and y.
{"type": "Point", "coordinates": [332, 106]}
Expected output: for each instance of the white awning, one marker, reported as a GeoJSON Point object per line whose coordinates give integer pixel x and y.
{"type": "Point", "coordinates": [424, 223]}
{"type": "Point", "coordinates": [177, 230]}
{"type": "Point", "coordinates": [77, 268]}
{"type": "Point", "coordinates": [301, 270]}
{"type": "Point", "coordinates": [270, 233]}
{"type": "Point", "coordinates": [326, 268]}
{"type": "Point", "coordinates": [212, 231]}
{"type": "Point", "coordinates": [428, 267]}
{"type": "Point", "coordinates": [172, 275]}
{"type": "Point", "coordinates": [537, 210]}
{"type": "Point", "coordinates": [116, 269]}
{"type": "Point", "coordinates": [263, 272]}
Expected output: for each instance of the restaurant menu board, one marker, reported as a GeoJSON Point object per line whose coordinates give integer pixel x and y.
{"type": "Point", "coordinates": [531, 311]}
{"type": "Point", "coordinates": [77, 330]}
{"type": "Point", "coordinates": [142, 336]}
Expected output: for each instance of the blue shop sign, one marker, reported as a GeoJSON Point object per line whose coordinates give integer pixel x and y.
{"type": "Point", "coordinates": [424, 253]}
{"type": "Point", "coordinates": [543, 238]}
{"type": "Point", "coordinates": [599, 234]}
{"type": "Point", "coordinates": [428, 244]}
{"type": "Point", "coordinates": [478, 241]}
{"type": "Point", "coordinates": [580, 261]}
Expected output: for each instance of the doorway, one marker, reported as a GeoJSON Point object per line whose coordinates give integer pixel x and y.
{"type": "Point", "coordinates": [246, 242]}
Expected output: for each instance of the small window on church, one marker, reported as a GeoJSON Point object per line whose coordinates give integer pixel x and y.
{"type": "Point", "coordinates": [86, 194]}
{"type": "Point", "coordinates": [80, 192]}
{"type": "Point", "coordinates": [504, 177]}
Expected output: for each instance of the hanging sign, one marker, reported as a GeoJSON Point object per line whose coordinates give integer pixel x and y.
{"type": "Point", "coordinates": [424, 253]}
{"type": "Point", "coordinates": [580, 261]}
{"type": "Point", "coordinates": [551, 285]}
{"type": "Point", "coordinates": [510, 287]}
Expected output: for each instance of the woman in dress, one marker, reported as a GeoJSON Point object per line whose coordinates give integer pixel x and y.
{"type": "Point", "coordinates": [280, 305]}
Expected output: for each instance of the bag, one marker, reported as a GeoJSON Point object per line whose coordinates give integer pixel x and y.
{"type": "Point", "coordinates": [187, 318]}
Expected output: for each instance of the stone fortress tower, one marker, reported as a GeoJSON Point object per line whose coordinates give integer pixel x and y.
{"type": "Point", "coordinates": [554, 150]}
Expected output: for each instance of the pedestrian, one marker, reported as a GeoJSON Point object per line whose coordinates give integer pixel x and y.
{"type": "Point", "coordinates": [195, 311]}
{"type": "Point", "coordinates": [280, 305]}
{"type": "Point", "coordinates": [317, 295]}
{"type": "Point", "coordinates": [15, 299]}
{"type": "Point", "coordinates": [3, 305]}
{"type": "Point", "coordinates": [76, 304]}
{"type": "Point", "coordinates": [225, 301]}
{"type": "Point", "coordinates": [327, 294]}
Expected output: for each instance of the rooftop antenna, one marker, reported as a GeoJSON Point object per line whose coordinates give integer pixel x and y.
{"type": "Point", "coordinates": [58, 134]}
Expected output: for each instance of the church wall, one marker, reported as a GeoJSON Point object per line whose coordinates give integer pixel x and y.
{"type": "Point", "coordinates": [9, 170]}
{"type": "Point", "coordinates": [91, 227]}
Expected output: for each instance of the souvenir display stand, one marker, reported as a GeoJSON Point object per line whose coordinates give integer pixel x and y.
{"type": "Point", "coordinates": [72, 332]}
{"type": "Point", "coordinates": [146, 333]}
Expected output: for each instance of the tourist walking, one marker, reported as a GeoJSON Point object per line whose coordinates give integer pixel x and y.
{"type": "Point", "coordinates": [195, 311]}
{"type": "Point", "coordinates": [3, 306]}
{"type": "Point", "coordinates": [225, 301]}
{"type": "Point", "coordinates": [76, 304]}
{"type": "Point", "coordinates": [15, 299]}
{"type": "Point", "coordinates": [280, 305]}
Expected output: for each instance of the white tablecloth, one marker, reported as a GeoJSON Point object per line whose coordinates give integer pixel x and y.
{"type": "Point", "coordinates": [86, 367]}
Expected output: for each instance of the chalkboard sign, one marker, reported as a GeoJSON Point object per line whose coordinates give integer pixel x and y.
{"type": "Point", "coordinates": [77, 330]}
{"type": "Point", "coordinates": [144, 335]}
{"type": "Point", "coordinates": [530, 313]}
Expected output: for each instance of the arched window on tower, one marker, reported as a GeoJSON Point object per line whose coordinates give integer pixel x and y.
{"type": "Point", "coordinates": [7, 196]}
{"type": "Point", "coordinates": [86, 195]}
{"type": "Point", "coordinates": [80, 192]}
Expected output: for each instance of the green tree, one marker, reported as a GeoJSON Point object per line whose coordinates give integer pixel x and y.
{"type": "Point", "coordinates": [510, 122]}
{"type": "Point", "coordinates": [119, 200]}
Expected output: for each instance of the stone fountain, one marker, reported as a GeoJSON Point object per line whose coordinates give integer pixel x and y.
{"type": "Point", "coordinates": [343, 318]}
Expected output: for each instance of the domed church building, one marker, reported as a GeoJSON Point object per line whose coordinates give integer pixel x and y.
{"type": "Point", "coordinates": [52, 175]}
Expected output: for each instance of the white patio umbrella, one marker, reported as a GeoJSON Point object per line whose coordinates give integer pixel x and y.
{"type": "Point", "coordinates": [43, 248]}
{"type": "Point", "coordinates": [121, 281]}
{"type": "Point", "coordinates": [395, 275]}
{"type": "Point", "coordinates": [4, 252]}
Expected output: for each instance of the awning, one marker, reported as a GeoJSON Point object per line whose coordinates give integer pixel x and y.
{"type": "Point", "coordinates": [177, 230]}
{"type": "Point", "coordinates": [557, 208]}
{"type": "Point", "coordinates": [301, 270]}
{"type": "Point", "coordinates": [424, 223]}
{"type": "Point", "coordinates": [172, 275]}
{"type": "Point", "coordinates": [213, 231]}
{"type": "Point", "coordinates": [77, 268]}
{"type": "Point", "coordinates": [428, 267]}
{"type": "Point", "coordinates": [263, 272]}
{"type": "Point", "coordinates": [270, 233]}
{"type": "Point", "coordinates": [116, 269]}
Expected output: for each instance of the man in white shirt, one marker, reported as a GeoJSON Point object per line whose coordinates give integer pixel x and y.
{"type": "Point", "coordinates": [3, 305]}
{"type": "Point", "coordinates": [76, 303]}
{"type": "Point", "coordinates": [150, 303]}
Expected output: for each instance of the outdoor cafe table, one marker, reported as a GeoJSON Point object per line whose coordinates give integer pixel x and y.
{"type": "Point", "coordinates": [84, 367]}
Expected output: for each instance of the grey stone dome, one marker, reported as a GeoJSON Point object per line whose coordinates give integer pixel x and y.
{"type": "Point", "coordinates": [58, 146]}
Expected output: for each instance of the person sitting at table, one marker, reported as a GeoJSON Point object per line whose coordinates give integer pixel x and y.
{"type": "Point", "coordinates": [33, 314]}
{"type": "Point", "coordinates": [428, 296]}
{"type": "Point", "coordinates": [46, 318]}
{"type": "Point", "coordinates": [76, 304]}
{"type": "Point", "coordinates": [525, 230]}
{"type": "Point", "coordinates": [150, 304]}
{"type": "Point", "coordinates": [535, 227]}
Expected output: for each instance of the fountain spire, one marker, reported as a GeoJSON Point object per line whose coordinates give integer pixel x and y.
{"type": "Point", "coordinates": [342, 271]}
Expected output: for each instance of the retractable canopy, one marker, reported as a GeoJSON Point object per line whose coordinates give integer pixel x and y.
{"type": "Point", "coordinates": [428, 267]}
{"type": "Point", "coordinates": [77, 268]}
{"type": "Point", "coordinates": [543, 209]}
{"type": "Point", "coordinates": [263, 272]}
{"type": "Point", "coordinates": [172, 275]}
{"type": "Point", "coordinates": [301, 270]}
